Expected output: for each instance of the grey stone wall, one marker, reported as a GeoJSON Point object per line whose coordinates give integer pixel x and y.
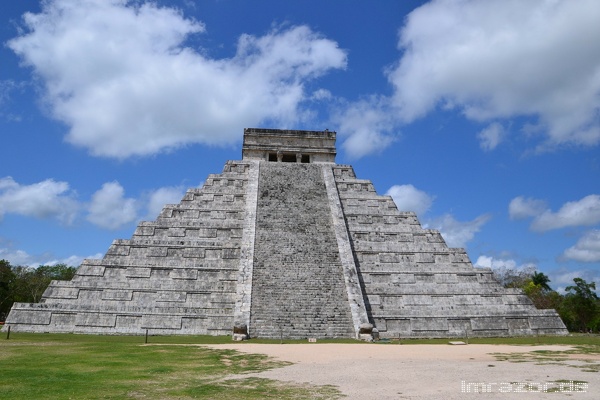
{"type": "Point", "coordinates": [416, 286]}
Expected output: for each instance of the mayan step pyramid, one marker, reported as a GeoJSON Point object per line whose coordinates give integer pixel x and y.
{"type": "Point", "coordinates": [284, 243]}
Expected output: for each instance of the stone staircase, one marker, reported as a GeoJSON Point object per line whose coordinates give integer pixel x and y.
{"type": "Point", "coordinates": [298, 289]}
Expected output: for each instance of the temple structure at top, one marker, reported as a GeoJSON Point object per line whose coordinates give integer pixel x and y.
{"type": "Point", "coordinates": [285, 243]}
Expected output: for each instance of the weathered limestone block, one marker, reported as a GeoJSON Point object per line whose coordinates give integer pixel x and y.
{"type": "Point", "coordinates": [158, 321]}
{"type": "Point", "coordinates": [117, 294]}
{"type": "Point", "coordinates": [90, 270]}
{"type": "Point", "coordinates": [95, 320]}
{"type": "Point", "coordinates": [117, 249]}
{"type": "Point", "coordinates": [429, 324]}
{"type": "Point", "coordinates": [488, 323]}
{"type": "Point", "coordinates": [57, 292]}
{"type": "Point", "coordinates": [29, 316]}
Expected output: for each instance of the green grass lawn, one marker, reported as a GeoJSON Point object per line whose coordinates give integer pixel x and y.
{"type": "Point", "coordinates": [55, 366]}
{"type": "Point", "coordinates": [66, 366]}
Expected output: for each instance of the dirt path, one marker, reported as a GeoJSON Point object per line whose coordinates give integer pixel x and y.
{"type": "Point", "coordinates": [387, 371]}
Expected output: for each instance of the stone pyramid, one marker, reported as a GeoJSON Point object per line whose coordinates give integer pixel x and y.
{"type": "Point", "coordinates": [284, 243]}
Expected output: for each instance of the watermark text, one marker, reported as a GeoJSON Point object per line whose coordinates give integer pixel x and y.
{"type": "Point", "coordinates": [524, 387]}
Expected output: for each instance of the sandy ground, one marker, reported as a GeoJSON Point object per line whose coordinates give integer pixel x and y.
{"type": "Point", "coordinates": [391, 371]}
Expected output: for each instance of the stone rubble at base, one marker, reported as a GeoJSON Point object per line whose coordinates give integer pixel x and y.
{"type": "Point", "coordinates": [285, 244]}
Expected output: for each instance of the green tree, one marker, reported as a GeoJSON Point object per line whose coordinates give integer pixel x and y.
{"type": "Point", "coordinates": [32, 282]}
{"type": "Point", "coordinates": [541, 297]}
{"type": "Point", "coordinates": [61, 272]}
{"type": "Point", "coordinates": [542, 280]}
{"type": "Point", "coordinates": [534, 284]}
{"type": "Point", "coordinates": [513, 277]}
{"type": "Point", "coordinates": [7, 278]}
{"type": "Point", "coordinates": [581, 302]}
{"type": "Point", "coordinates": [27, 284]}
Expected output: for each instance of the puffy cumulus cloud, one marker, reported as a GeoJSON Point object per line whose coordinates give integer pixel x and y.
{"type": "Point", "coordinates": [457, 233]}
{"type": "Point", "coordinates": [522, 208]}
{"type": "Point", "coordinates": [504, 264]}
{"type": "Point", "coordinates": [23, 258]}
{"type": "Point", "coordinates": [366, 126]}
{"type": "Point", "coordinates": [409, 198]}
{"type": "Point", "coordinates": [506, 270]}
{"type": "Point", "coordinates": [587, 248]}
{"type": "Point", "coordinates": [158, 198]}
{"type": "Point", "coordinates": [491, 262]}
{"type": "Point", "coordinates": [17, 257]}
{"type": "Point", "coordinates": [502, 59]}
{"type": "Point", "coordinates": [584, 212]}
{"type": "Point", "coordinates": [564, 277]}
{"type": "Point", "coordinates": [46, 199]}
{"type": "Point", "coordinates": [73, 260]}
{"type": "Point", "coordinates": [321, 94]}
{"type": "Point", "coordinates": [110, 209]}
{"type": "Point", "coordinates": [491, 136]}
{"type": "Point", "coordinates": [118, 73]}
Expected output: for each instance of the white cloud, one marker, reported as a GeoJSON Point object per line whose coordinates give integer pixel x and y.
{"type": "Point", "coordinates": [46, 199]}
{"type": "Point", "coordinates": [119, 75]}
{"type": "Point", "coordinates": [491, 136]}
{"type": "Point", "coordinates": [506, 270]}
{"type": "Point", "coordinates": [491, 262]}
{"type": "Point", "coordinates": [457, 233]}
{"type": "Point", "coordinates": [503, 264]}
{"type": "Point", "coordinates": [365, 126]}
{"type": "Point", "coordinates": [409, 198]}
{"type": "Point", "coordinates": [321, 94]}
{"type": "Point", "coordinates": [74, 260]}
{"type": "Point", "coordinates": [521, 208]}
{"type": "Point", "coordinates": [107, 209]}
{"type": "Point", "coordinates": [17, 257]}
{"type": "Point", "coordinates": [587, 248]}
{"type": "Point", "coordinates": [110, 209]}
{"type": "Point", "coordinates": [7, 86]}
{"type": "Point", "coordinates": [563, 278]}
{"type": "Point", "coordinates": [584, 212]}
{"type": "Point", "coordinates": [22, 258]}
{"type": "Point", "coordinates": [501, 59]}
{"type": "Point", "coordinates": [162, 196]}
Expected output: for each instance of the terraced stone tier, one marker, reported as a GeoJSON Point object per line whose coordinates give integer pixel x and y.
{"type": "Point", "coordinates": [176, 275]}
{"type": "Point", "coordinates": [416, 286]}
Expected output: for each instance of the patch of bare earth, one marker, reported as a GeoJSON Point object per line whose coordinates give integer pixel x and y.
{"type": "Point", "coordinates": [392, 371]}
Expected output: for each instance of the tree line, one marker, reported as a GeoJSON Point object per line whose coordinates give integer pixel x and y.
{"type": "Point", "coordinates": [579, 306]}
{"type": "Point", "coordinates": [27, 284]}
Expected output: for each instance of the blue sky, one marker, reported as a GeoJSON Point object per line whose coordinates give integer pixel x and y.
{"type": "Point", "coordinates": [481, 116]}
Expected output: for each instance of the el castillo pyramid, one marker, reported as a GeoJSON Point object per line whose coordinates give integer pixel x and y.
{"type": "Point", "coordinates": [284, 243]}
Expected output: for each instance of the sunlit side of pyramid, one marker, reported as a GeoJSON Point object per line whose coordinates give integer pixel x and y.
{"type": "Point", "coordinates": [284, 243]}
